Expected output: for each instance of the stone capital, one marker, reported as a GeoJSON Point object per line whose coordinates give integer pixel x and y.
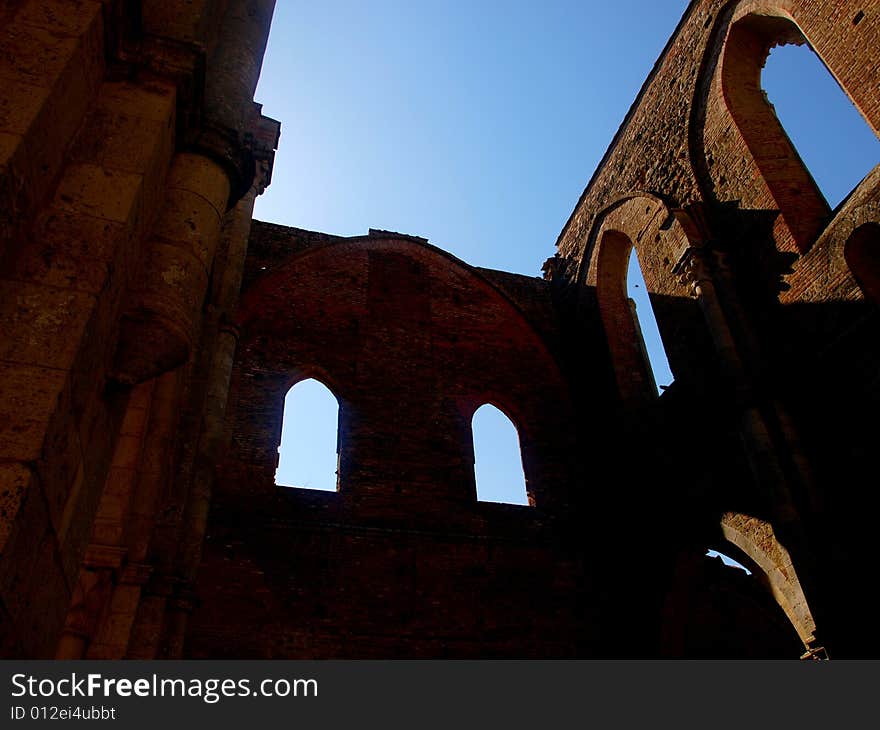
{"type": "Point", "coordinates": [695, 267]}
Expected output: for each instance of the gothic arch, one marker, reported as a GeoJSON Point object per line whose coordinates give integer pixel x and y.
{"type": "Point", "coordinates": [306, 441]}
{"type": "Point", "coordinates": [642, 225]}
{"type": "Point", "coordinates": [522, 442]}
{"type": "Point", "coordinates": [387, 315]}
{"type": "Point", "coordinates": [743, 150]}
{"type": "Point", "coordinates": [756, 539]}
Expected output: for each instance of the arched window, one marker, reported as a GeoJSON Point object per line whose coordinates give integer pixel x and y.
{"type": "Point", "coordinates": [498, 468]}
{"type": "Point", "coordinates": [637, 353]}
{"type": "Point", "coordinates": [794, 192]}
{"type": "Point", "coordinates": [814, 110]}
{"type": "Point", "coordinates": [862, 255]}
{"type": "Point", "coordinates": [646, 322]}
{"type": "Point", "coordinates": [803, 207]}
{"type": "Point", "coordinates": [307, 455]}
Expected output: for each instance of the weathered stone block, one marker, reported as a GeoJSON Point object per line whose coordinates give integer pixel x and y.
{"type": "Point", "coordinates": [15, 480]}
{"type": "Point", "coordinates": [60, 17]}
{"type": "Point", "coordinates": [26, 534]}
{"type": "Point", "coordinates": [45, 324]}
{"type": "Point", "coordinates": [29, 396]}
{"type": "Point", "coordinates": [95, 191]}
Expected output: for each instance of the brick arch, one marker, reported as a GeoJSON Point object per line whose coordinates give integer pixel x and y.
{"type": "Point", "coordinates": [250, 307]}
{"type": "Point", "coordinates": [416, 340]}
{"type": "Point", "coordinates": [469, 405]}
{"type": "Point", "coordinates": [643, 224]}
{"type": "Point", "coordinates": [795, 193]}
{"type": "Point", "coordinates": [635, 381]}
{"type": "Point", "coordinates": [739, 144]}
{"type": "Point", "coordinates": [757, 541]}
{"type": "Point", "coordinates": [862, 254]}
{"type": "Point", "coordinates": [712, 611]}
{"type": "Point", "coordinates": [836, 31]}
{"type": "Point", "coordinates": [314, 371]}
{"type": "Point", "coordinates": [752, 542]}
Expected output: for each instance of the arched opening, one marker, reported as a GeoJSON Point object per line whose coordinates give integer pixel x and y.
{"type": "Point", "coordinates": [803, 209]}
{"type": "Point", "coordinates": [646, 323]}
{"type": "Point", "coordinates": [817, 113]}
{"type": "Point", "coordinates": [717, 609]}
{"type": "Point", "coordinates": [308, 453]}
{"type": "Point", "coordinates": [862, 255]}
{"type": "Point", "coordinates": [498, 466]}
{"type": "Point", "coordinates": [756, 541]}
{"type": "Point", "coordinates": [637, 352]}
{"type": "Point", "coordinates": [832, 138]}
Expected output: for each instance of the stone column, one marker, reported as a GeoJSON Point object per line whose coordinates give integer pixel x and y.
{"type": "Point", "coordinates": [211, 437]}
{"type": "Point", "coordinates": [701, 266]}
{"type": "Point", "coordinates": [233, 72]}
{"type": "Point", "coordinates": [698, 267]}
{"type": "Point", "coordinates": [158, 330]}
{"type": "Point", "coordinates": [159, 327]}
{"type": "Point", "coordinates": [92, 591]}
{"type": "Point", "coordinates": [100, 569]}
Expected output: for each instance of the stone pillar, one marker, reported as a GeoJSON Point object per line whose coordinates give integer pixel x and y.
{"type": "Point", "coordinates": [696, 268]}
{"type": "Point", "coordinates": [159, 326]}
{"type": "Point", "coordinates": [178, 609]}
{"type": "Point", "coordinates": [155, 507]}
{"type": "Point", "coordinates": [158, 330]}
{"type": "Point", "coordinates": [700, 266]}
{"type": "Point", "coordinates": [211, 437]}
{"type": "Point", "coordinates": [800, 473]}
{"type": "Point", "coordinates": [89, 596]}
{"type": "Point", "coordinates": [234, 67]}
{"type": "Point", "coordinates": [233, 72]}
{"type": "Point", "coordinates": [100, 569]}
{"type": "Point", "coordinates": [114, 632]}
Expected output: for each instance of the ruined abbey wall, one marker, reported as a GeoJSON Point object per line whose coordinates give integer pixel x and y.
{"type": "Point", "coordinates": [737, 243]}
{"type": "Point", "coordinates": [149, 332]}
{"type": "Point", "coordinates": [402, 560]}
{"type": "Point", "coordinates": [130, 156]}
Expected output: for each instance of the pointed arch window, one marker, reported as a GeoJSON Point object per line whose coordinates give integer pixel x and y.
{"type": "Point", "coordinates": [308, 453]}
{"type": "Point", "coordinates": [830, 136]}
{"type": "Point", "coordinates": [648, 333]}
{"type": "Point", "coordinates": [637, 351]}
{"type": "Point", "coordinates": [793, 76]}
{"type": "Point", "coordinates": [498, 465]}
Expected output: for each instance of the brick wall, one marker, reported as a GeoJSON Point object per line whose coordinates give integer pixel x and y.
{"type": "Point", "coordinates": [402, 560]}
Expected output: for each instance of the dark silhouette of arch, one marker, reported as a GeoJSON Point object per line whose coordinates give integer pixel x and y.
{"type": "Point", "coordinates": [756, 541]}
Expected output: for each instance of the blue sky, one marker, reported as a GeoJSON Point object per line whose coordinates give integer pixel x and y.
{"type": "Point", "coordinates": [473, 124]}
{"type": "Point", "coordinates": [478, 124]}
